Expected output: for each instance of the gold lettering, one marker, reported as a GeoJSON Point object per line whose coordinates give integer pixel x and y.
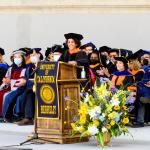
{"type": "Point", "coordinates": [51, 110]}
{"type": "Point", "coordinates": [45, 79]}
{"type": "Point", "coordinates": [46, 72]}
{"type": "Point", "coordinates": [47, 67]}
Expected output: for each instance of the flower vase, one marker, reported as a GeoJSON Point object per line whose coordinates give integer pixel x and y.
{"type": "Point", "coordinates": [106, 136]}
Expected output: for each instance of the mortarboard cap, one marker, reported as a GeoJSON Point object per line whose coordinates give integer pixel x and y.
{"type": "Point", "coordinates": [26, 50]}
{"type": "Point", "coordinates": [54, 48]}
{"type": "Point", "coordinates": [48, 51]}
{"type": "Point", "coordinates": [73, 36]}
{"type": "Point", "coordinates": [129, 52]}
{"type": "Point", "coordinates": [125, 53]}
{"type": "Point", "coordinates": [114, 50]}
{"type": "Point", "coordinates": [140, 53]}
{"type": "Point", "coordinates": [122, 59]}
{"type": "Point", "coordinates": [131, 57]}
{"type": "Point", "coordinates": [37, 50]}
{"type": "Point", "coordinates": [104, 49]}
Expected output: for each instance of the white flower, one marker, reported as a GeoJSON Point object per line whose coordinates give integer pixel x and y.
{"type": "Point", "coordinates": [97, 109]}
{"type": "Point", "coordinates": [103, 114]}
{"type": "Point", "coordinates": [94, 112]}
{"type": "Point", "coordinates": [93, 130]}
{"type": "Point", "coordinates": [86, 98]}
{"type": "Point", "coordinates": [104, 129]}
{"type": "Point", "coordinates": [115, 102]}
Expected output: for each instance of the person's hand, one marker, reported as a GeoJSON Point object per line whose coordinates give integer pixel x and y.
{"type": "Point", "coordinates": [72, 63]}
{"type": "Point", "coordinates": [20, 82]}
{"type": "Point", "coordinates": [6, 81]}
{"type": "Point", "coordinates": [148, 84]}
{"type": "Point", "coordinates": [100, 72]}
{"type": "Point", "coordinates": [106, 72]}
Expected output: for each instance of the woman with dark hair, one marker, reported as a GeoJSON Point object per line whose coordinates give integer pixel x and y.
{"type": "Point", "coordinates": [122, 77]}
{"type": "Point", "coordinates": [14, 81]}
{"type": "Point", "coordinates": [73, 42]}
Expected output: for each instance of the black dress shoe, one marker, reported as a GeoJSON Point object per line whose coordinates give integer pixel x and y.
{"type": "Point", "coordinates": [8, 120]}
{"type": "Point", "coordinates": [138, 125]}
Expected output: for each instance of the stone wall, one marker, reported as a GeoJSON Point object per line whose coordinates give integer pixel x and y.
{"type": "Point", "coordinates": [75, 6]}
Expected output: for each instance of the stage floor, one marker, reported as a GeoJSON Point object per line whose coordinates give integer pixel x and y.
{"type": "Point", "coordinates": [11, 135]}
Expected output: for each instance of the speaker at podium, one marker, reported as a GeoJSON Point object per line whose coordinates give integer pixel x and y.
{"type": "Point", "coordinates": [57, 101]}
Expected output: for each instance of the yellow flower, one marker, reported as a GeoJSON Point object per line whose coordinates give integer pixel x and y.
{"type": "Point", "coordinates": [112, 123]}
{"type": "Point", "coordinates": [83, 119]}
{"type": "Point", "coordinates": [89, 90]}
{"type": "Point", "coordinates": [91, 103]}
{"type": "Point", "coordinates": [112, 115]}
{"type": "Point", "coordinates": [81, 129]}
{"type": "Point", "coordinates": [84, 107]}
{"type": "Point", "coordinates": [108, 126]}
{"type": "Point", "coordinates": [96, 123]}
{"type": "Point", "coordinates": [125, 107]}
{"type": "Point", "coordinates": [81, 112]}
{"type": "Point", "coordinates": [73, 125]}
{"type": "Point", "coordinates": [90, 96]}
{"type": "Point", "coordinates": [109, 93]}
{"type": "Point", "coordinates": [82, 90]}
{"type": "Point", "coordinates": [87, 132]}
{"type": "Point", "coordinates": [125, 120]}
{"type": "Point", "coordinates": [116, 107]}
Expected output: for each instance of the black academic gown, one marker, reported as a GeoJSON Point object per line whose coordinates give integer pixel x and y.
{"type": "Point", "coordinates": [79, 56]}
{"type": "Point", "coordinates": [111, 67]}
{"type": "Point", "coordinates": [82, 60]}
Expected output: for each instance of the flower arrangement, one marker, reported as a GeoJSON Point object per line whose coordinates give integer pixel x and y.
{"type": "Point", "coordinates": [103, 111]}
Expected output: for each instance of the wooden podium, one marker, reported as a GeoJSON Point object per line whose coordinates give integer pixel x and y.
{"type": "Point", "coordinates": [68, 88]}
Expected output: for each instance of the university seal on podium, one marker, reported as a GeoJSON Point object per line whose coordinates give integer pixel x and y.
{"type": "Point", "coordinates": [47, 94]}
